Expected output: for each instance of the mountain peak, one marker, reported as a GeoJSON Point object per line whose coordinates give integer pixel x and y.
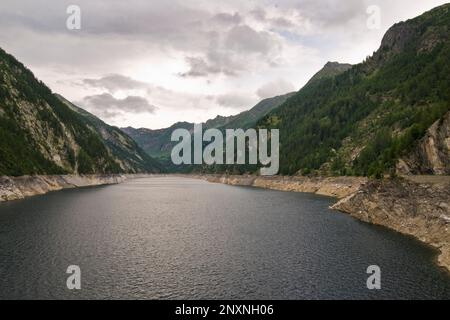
{"type": "Point", "coordinates": [421, 34]}
{"type": "Point", "coordinates": [330, 69]}
{"type": "Point", "coordinates": [331, 64]}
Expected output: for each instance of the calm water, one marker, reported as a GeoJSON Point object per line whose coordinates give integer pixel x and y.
{"type": "Point", "coordinates": [174, 238]}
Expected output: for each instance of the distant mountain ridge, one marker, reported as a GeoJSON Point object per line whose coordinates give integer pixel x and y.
{"type": "Point", "coordinates": [42, 133]}
{"type": "Point", "coordinates": [157, 143]}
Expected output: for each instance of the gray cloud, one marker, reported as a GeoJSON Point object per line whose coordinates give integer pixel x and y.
{"type": "Point", "coordinates": [277, 22]}
{"type": "Point", "coordinates": [282, 23]}
{"type": "Point", "coordinates": [332, 13]}
{"type": "Point", "coordinates": [233, 52]}
{"type": "Point", "coordinates": [199, 68]}
{"type": "Point", "coordinates": [218, 62]}
{"type": "Point", "coordinates": [245, 39]}
{"type": "Point", "coordinates": [275, 88]}
{"type": "Point", "coordinates": [161, 19]}
{"type": "Point", "coordinates": [115, 82]}
{"type": "Point", "coordinates": [227, 18]}
{"type": "Point", "coordinates": [235, 101]}
{"type": "Point", "coordinates": [106, 106]}
{"type": "Point", "coordinates": [215, 42]}
{"type": "Point", "coordinates": [259, 14]}
{"type": "Point", "coordinates": [134, 17]}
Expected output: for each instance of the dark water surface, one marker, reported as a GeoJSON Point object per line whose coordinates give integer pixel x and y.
{"type": "Point", "coordinates": [175, 238]}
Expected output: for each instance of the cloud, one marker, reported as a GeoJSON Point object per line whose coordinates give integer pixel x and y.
{"type": "Point", "coordinates": [235, 101]}
{"type": "Point", "coordinates": [332, 13]}
{"type": "Point", "coordinates": [107, 106]}
{"type": "Point", "coordinates": [283, 23]}
{"type": "Point", "coordinates": [200, 68]}
{"type": "Point", "coordinates": [214, 42]}
{"type": "Point", "coordinates": [232, 52]}
{"type": "Point", "coordinates": [245, 39]}
{"type": "Point", "coordinates": [275, 88]}
{"type": "Point", "coordinates": [115, 82]}
{"type": "Point", "coordinates": [278, 19]}
{"type": "Point", "coordinates": [227, 18]}
{"type": "Point", "coordinates": [259, 14]}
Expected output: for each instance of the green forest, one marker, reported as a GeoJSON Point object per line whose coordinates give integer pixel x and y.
{"type": "Point", "coordinates": [383, 105]}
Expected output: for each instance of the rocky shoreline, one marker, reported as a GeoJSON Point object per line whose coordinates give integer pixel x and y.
{"type": "Point", "coordinates": [338, 187]}
{"type": "Point", "coordinates": [418, 206]}
{"type": "Point", "coordinates": [419, 209]}
{"type": "Point", "coordinates": [15, 188]}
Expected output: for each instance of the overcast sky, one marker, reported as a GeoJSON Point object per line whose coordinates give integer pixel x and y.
{"type": "Point", "coordinates": [152, 63]}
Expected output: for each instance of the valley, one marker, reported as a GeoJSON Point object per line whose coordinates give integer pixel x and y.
{"type": "Point", "coordinates": [359, 170]}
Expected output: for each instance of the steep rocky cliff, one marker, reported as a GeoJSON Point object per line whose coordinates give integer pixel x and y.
{"type": "Point", "coordinates": [420, 208]}
{"type": "Point", "coordinates": [432, 154]}
{"type": "Point", "coordinates": [338, 187]}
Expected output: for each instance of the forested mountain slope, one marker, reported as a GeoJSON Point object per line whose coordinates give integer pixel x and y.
{"type": "Point", "coordinates": [362, 121]}
{"type": "Point", "coordinates": [42, 134]}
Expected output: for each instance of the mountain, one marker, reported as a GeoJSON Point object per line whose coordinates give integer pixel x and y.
{"type": "Point", "coordinates": [42, 133]}
{"type": "Point", "coordinates": [331, 69]}
{"type": "Point", "coordinates": [248, 119]}
{"type": "Point", "coordinates": [362, 121]}
{"type": "Point", "coordinates": [157, 143]}
{"type": "Point", "coordinates": [126, 151]}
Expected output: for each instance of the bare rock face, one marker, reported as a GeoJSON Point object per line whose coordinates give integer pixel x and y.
{"type": "Point", "coordinates": [338, 187]}
{"type": "Point", "coordinates": [14, 188]}
{"type": "Point", "coordinates": [418, 209]}
{"type": "Point", "coordinates": [398, 37]}
{"type": "Point", "coordinates": [432, 155]}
